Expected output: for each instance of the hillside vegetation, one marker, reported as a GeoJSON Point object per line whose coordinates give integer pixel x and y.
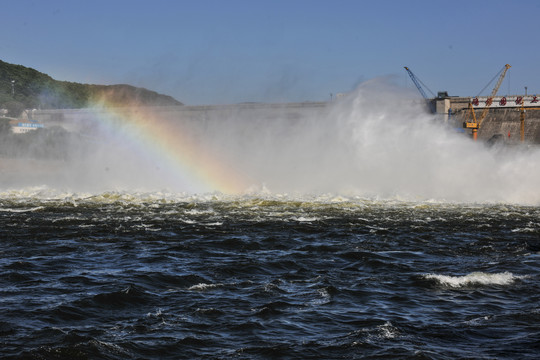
{"type": "Point", "coordinates": [35, 90]}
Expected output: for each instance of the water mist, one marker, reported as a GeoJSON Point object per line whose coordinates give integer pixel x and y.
{"type": "Point", "coordinates": [379, 142]}
{"type": "Point", "coordinates": [376, 142]}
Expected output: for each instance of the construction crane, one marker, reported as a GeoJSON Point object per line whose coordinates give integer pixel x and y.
{"type": "Point", "coordinates": [475, 124]}
{"type": "Point", "coordinates": [522, 111]}
{"type": "Point", "coordinates": [417, 82]}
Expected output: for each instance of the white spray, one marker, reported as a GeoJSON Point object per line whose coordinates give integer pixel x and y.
{"type": "Point", "coordinates": [379, 142]}
{"type": "Point", "coordinates": [376, 142]}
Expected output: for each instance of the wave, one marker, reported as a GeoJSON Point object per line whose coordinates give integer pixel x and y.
{"type": "Point", "coordinates": [300, 208]}
{"type": "Point", "coordinates": [203, 286]}
{"type": "Point", "coordinates": [473, 279]}
{"type": "Point", "coordinates": [37, 208]}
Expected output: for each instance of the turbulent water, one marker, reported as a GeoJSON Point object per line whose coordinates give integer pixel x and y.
{"type": "Point", "coordinates": [125, 275]}
{"type": "Point", "coordinates": [428, 247]}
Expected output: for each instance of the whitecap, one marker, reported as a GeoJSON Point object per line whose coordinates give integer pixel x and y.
{"type": "Point", "coordinates": [202, 287]}
{"type": "Point", "coordinates": [524, 230]}
{"type": "Point", "coordinates": [387, 331]}
{"type": "Point", "coordinates": [474, 278]}
{"type": "Point", "coordinates": [21, 210]}
{"type": "Point", "coordinates": [198, 212]}
{"type": "Point", "coordinates": [305, 219]}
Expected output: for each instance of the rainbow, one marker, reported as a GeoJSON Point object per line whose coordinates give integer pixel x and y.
{"type": "Point", "coordinates": [195, 167]}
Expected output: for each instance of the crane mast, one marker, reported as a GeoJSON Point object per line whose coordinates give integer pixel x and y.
{"type": "Point", "coordinates": [522, 112]}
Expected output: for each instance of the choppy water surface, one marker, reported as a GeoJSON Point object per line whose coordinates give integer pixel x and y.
{"type": "Point", "coordinates": [127, 275]}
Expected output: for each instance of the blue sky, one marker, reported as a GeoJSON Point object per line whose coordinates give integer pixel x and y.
{"type": "Point", "coordinates": [230, 51]}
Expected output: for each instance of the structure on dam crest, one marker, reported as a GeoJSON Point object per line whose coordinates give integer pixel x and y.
{"type": "Point", "coordinates": [504, 120]}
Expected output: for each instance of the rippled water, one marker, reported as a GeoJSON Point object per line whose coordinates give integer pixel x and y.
{"type": "Point", "coordinates": [131, 275]}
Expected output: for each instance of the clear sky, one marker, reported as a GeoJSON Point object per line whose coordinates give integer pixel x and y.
{"type": "Point", "coordinates": [231, 51]}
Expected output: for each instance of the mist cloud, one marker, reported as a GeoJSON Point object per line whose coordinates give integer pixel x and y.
{"type": "Point", "coordinates": [376, 142]}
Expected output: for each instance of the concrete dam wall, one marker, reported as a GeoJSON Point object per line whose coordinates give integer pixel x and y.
{"type": "Point", "coordinates": [502, 119]}
{"type": "Point", "coordinates": [502, 122]}
{"type": "Point", "coordinates": [75, 119]}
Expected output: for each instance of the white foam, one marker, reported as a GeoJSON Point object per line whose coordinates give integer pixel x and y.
{"type": "Point", "coordinates": [525, 230]}
{"type": "Point", "coordinates": [202, 287]}
{"type": "Point", "coordinates": [305, 219]}
{"type": "Point", "coordinates": [474, 278]}
{"type": "Point", "coordinates": [21, 210]}
{"type": "Point", "coordinates": [388, 331]}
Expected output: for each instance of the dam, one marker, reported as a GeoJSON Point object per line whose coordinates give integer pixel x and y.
{"type": "Point", "coordinates": [73, 119]}
{"type": "Point", "coordinates": [505, 119]}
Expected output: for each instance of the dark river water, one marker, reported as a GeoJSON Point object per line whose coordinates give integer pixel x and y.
{"type": "Point", "coordinates": [137, 276]}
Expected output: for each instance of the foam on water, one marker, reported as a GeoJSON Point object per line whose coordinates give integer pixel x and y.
{"type": "Point", "coordinates": [202, 287]}
{"type": "Point", "coordinates": [21, 210]}
{"type": "Point", "coordinates": [474, 279]}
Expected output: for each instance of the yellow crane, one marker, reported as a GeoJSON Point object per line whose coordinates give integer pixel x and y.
{"type": "Point", "coordinates": [522, 111]}
{"type": "Point", "coordinates": [475, 124]}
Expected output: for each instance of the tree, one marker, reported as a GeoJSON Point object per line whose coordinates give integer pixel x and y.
{"type": "Point", "coordinates": [14, 108]}
{"type": "Point", "coordinates": [5, 127]}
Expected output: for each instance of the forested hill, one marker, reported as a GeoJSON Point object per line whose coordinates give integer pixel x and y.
{"type": "Point", "coordinates": [32, 89]}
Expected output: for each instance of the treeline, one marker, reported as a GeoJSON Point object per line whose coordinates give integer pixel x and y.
{"type": "Point", "coordinates": [25, 88]}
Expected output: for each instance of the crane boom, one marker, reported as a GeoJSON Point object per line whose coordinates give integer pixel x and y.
{"type": "Point", "coordinates": [489, 100]}
{"type": "Point", "coordinates": [417, 82]}
{"type": "Point", "coordinates": [475, 124]}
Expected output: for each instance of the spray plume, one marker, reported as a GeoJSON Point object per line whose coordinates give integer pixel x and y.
{"type": "Point", "coordinates": [376, 142]}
